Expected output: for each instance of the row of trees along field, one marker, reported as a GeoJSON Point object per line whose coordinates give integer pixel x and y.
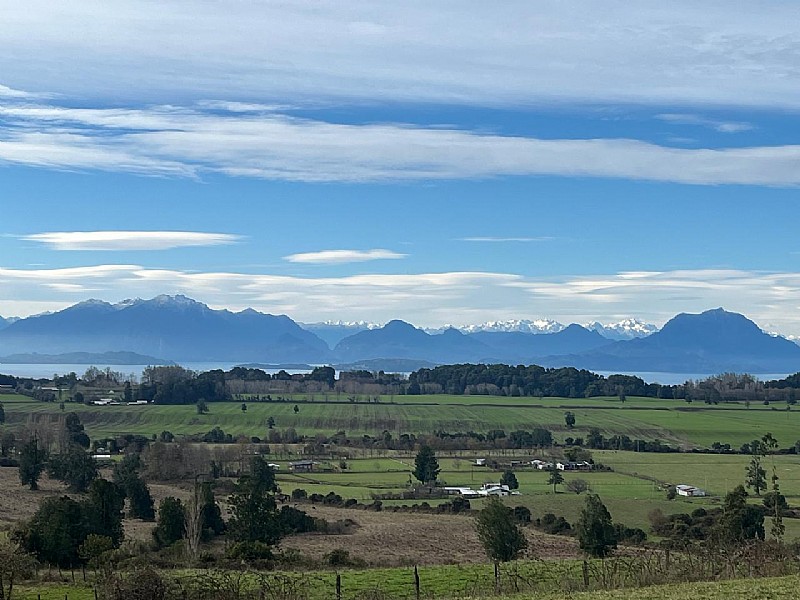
{"type": "Point", "coordinates": [176, 385]}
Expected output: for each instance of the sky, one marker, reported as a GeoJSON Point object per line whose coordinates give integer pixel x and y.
{"type": "Point", "coordinates": [441, 163]}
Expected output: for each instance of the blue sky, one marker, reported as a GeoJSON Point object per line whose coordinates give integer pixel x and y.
{"type": "Point", "coordinates": [453, 163]}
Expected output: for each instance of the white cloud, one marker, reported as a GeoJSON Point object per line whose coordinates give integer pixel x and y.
{"type": "Point", "coordinates": [130, 240]}
{"type": "Point", "coordinates": [190, 141]}
{"type": "Point", "coordinates": [521, 52]}
{"type": "Point", "coordinates": [427, 299]}
{"type": "Point", "coordinates": [7, 92]}
{"type": "Point", "coordinates": [336, 257]}
{"type": "Point", "coordinates": [721, 126]}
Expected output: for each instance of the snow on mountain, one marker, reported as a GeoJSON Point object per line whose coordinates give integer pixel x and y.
{"type": "Point", "coordinates": [333, 332]}
{"type": "Point", "coordinates": [627, 329]}
{"type": "Point", "coordinates": [511, 325]}
{"type": "Point", "coordinates": [348, 324]}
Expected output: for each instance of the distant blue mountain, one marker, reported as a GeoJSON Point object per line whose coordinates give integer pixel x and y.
{"type": "Point", "coordinates": [398, 339]}
{"type": "Point", "coordinates": [333, 332]}
{"type": "Point", "coordinates": [3, 323]}
{"type": "Point", "coordinates": [176, 328]}
{"type": "Point", "coordinates": [713, 341]}
{"type": "Point", "coordinates": [401, 340]}
{"type": "Point", "coordinates": [83, 358]}
{"type": "Point", "coordinates": [172, 327]}
{"type": "Point", "coordinates": [526, 347]}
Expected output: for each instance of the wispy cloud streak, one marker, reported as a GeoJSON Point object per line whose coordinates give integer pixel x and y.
{"type": "Point", "coordinates": [130, 240]}
{"type": "Point", "coordinates": [335, 257]}
{"type": "Point", "coordinates": [191, 141]}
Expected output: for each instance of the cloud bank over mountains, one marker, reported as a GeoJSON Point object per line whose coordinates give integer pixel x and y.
{"type": "Point", "coordinates": [427, 299]}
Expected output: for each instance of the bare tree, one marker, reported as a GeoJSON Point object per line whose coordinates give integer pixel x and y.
{"type": "Point", "coordinates": [194, 524]}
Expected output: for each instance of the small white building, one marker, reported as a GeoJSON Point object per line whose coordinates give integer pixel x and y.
{"type": "Point", "coordinates": [494, 489]}
{"type": "Point", "coordinates": [466, 492]}
{"type": "Point", "coordinates": [574, 466]}
{"type": "Point", "coordinates": [480, 462]}
{"type": "Point", "coordinates": [689, 491]}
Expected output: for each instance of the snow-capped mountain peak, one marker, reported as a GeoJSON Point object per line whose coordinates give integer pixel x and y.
{"type": "Point", "coordinates": [510, 325]}
{"type": "Point", "coordinates": [349, 324]}
{"type": "Point", "coordinates": [626, 329]}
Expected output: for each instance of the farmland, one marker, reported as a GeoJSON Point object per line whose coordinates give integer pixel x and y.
{"type": "Point", "coordinates": [470, 582]}
{"type": "Point", "coordinates": [675, 422]}
{"type": "Point", "coordinates": [631, 490]}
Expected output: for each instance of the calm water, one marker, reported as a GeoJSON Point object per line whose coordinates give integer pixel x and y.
{"type": "Point", "coordinates": [678, 378]}
{"type": "Point", "coordinates": [47, 371]}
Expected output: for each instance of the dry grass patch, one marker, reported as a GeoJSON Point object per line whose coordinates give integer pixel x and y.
{"type": "Point", "coordinates": [390, 539]}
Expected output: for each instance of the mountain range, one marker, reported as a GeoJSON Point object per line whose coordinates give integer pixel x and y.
{"type": "Point", "coordinates": [179, 329]}
{"type": "Point", "coordinates": [335, 331]}
{"type": "Point", "coordinates": [169, 327]}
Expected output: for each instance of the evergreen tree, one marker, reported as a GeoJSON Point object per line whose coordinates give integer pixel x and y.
{"type": "Point", "coordinates": [756, 476]}
{"type": "Point", "coordinates": [56, 531]}
{"type": "Point", "coordinates": [498, 531]}
{"type": "Point", "coordinates": [508, 478]}
{"type": "Point", "coordinates": [75, 467]}
{"type": "Point", "coordinates": [555, 478]}
{"type": "Point", "coordinates": [171, 525]}
{"type": "Point", "coordinates": [75, 431]}
{"type": "Point", "coordinates": [740, 521]}
{"type": "Point", "coordinates": [141, 501]}
{"type": "Point", "coordinates": [104, 510]}
{"type": "Point", "coordinates": [596, 533]}
{"type": "Point", "coordinates": [212, 521]}
{"type": "Point", "coordinates": [261, 477]}
{"type": "Point", "coordinates": [426, 467]}
{"type": "Point", "coordinates": [126, 475]}
{"type": "Point", "coordinates": [254, 513]}
{"type": "Point", "coordinates": [32, 461]}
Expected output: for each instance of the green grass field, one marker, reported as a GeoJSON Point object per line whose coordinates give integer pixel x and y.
{"type": "Point", "coordinates": [555, 581]}
{"type": "Point", "coordinates": [645, 418]}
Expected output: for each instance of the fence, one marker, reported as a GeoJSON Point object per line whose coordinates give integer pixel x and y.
{"type": "Point", "coordinates": [643, 568]}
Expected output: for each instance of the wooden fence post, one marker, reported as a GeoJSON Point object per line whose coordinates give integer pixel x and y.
{"type": "Point", "coordinates": [416, 583]}
{"type": "Point", "coordinates": [585, 574]}
{"type": "Point", "coordinates": [338, 586]}
{"type": "Point", "coordinates": [496, 577]}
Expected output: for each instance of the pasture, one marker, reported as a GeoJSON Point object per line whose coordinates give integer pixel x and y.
{"type": "Point", "coordinates": [671, 421]}
{"type": "Point", "coordinates": [470, 582]}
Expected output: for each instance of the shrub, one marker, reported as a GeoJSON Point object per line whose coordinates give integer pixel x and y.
{"type": "Point", "coordinates": [522, 514]}
{"type": "Point", "coordinates": [338, 558]}
{"type": "Point", "coordinates": [250, 551]}
{"type": "Point", "coordinates": [145, 584]}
